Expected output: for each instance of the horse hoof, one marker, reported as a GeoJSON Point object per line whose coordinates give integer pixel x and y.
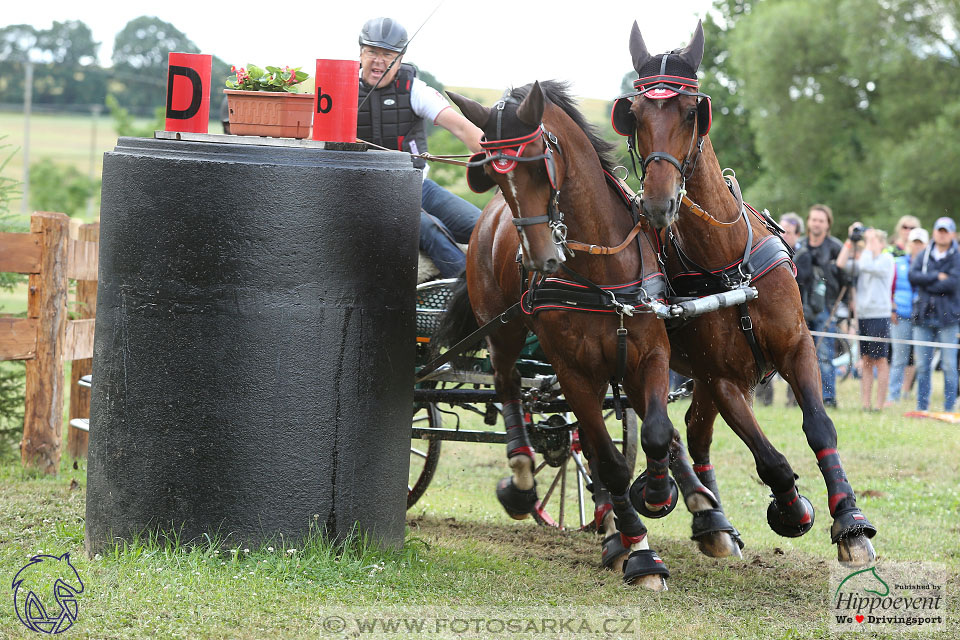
{"type": "Point", "coordinates": [518, 503]}
{"type": "Point", "coordinates": [714, 534]}
{"type": "Point", "coordinates": [614, 554]}
{"type": "Point", "coordinates": [719, 544]}
{"type": "Point", "coordinates": [653, 505]}
{"type": "Point", "coordinates": [791, 529]}
{"type": "Point", "coordinates": [645, 569]}
{"type": "Point", "coordinates": [855, 552]}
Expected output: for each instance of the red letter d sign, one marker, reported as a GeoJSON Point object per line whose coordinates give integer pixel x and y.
{"type": "Point", "coordinates": [335, 105]}
{"type": "Point", "coordinates": [188, 92]}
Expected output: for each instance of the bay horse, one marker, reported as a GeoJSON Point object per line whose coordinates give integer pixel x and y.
{"type": "Point", "coordinates": [666, 121]}
{"type": "Point", "coordinates": [549, 165]}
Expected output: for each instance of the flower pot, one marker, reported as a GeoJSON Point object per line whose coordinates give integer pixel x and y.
{"type": "Point", "coordinates": [267, 113]}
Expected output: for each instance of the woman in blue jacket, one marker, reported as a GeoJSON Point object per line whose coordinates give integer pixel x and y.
{"type": "Point", "coordinates": [902, 327]}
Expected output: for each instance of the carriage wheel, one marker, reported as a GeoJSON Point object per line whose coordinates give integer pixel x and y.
{"type": "Point", "coordinates": [424, 454]}
{"type": "Point", "coordinates": [565, 488]}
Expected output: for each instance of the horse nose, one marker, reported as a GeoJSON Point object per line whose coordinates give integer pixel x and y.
{"type": "Point", "coordinates": [551, 265]}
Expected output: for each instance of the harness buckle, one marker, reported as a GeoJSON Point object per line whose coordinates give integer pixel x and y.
{"type": "Point", "coordinates": [621, 331]}
{"type": "Point", "coordinates": [746, 323]}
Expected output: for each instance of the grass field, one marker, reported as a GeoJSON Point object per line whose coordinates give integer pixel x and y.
{"type": "Point", "coordinates": [464, 559]}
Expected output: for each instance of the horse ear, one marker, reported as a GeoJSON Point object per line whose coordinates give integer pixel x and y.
{"type": "Point", "coordinates": [638, 48]}
{"type": "Point", "coordinates": [472, 110]}
{"type": "Point", "coordinates": [693, 53]}
{"type": "Point", "coordinates": [530, 110]}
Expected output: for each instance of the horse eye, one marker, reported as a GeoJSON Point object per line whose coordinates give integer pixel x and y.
{"type": "Point", "coordinates": [691, 115]}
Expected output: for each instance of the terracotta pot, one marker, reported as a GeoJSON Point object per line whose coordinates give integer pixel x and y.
{"type": "Point", "coordinates": [266, 113]}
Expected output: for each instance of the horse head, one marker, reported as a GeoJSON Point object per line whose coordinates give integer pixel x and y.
{"type": "Point", "coordinates": [522, 159]}
{"type": "Point", "coordinates": [667, 117]}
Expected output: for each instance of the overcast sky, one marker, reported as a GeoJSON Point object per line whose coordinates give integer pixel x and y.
{"type": "Point", "coordinates": [534, 40]}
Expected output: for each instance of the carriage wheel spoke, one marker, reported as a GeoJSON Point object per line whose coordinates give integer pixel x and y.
{"type": "Point", "coordinates": [553, 485]}
{"type": "Point", "coordinates": [540, 467]}
{"type": "Point", "coordinates": [563, 489]}
{"type": "Point", "coordinates": [419, 453]}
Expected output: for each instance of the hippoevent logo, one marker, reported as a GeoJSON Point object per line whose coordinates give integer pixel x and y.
{"type": "Point", "coordinates": [891, 597]}
{"type": "Point", "coordinates": [45, 594]}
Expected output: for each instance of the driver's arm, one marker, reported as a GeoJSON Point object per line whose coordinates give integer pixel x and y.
{"type": "Point", "coordinates": [451, 120]}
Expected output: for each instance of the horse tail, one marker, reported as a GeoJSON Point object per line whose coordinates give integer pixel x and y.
{"type": "Point", "coordinates": [457, 321]}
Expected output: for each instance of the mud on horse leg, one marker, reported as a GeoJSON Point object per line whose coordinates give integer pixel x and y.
{"type": "Point", "coordinates": [518, 493]}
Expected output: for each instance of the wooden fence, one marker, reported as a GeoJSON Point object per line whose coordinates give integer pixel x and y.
{"type": "Point", "coordinates": [52, 254]}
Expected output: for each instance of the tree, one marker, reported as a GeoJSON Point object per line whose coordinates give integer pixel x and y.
{"type": "Point", "coordinates": [850, 101]}
{"type": "Point", "coordinates": [68, 43]}
{"type": "Point", "coordinates": [140, 54]}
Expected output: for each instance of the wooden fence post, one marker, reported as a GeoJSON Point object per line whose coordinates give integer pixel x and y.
{"type": "Point", "coordinates": [77, 439]}
{"type": "Point", "coordinates": [47, 303]}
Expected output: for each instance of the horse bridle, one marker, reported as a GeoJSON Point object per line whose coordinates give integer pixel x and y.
{"type": "Point", "coordinates": [509, 152]}
{"type": "Point", "coordinates": [674, 85]}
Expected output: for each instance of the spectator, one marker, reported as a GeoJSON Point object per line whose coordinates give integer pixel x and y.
{"type": "Point", "coordinates": [901, 365]}
{"type": "Point", "coordinates": [905, 225]}
{"type": "Point", "coordinates": [395, 106]}
{"type": "Point", "coordinates": [792, 225]}
{"type": "Point", "coordinates": [935, 275]}
{"type": "Point", "coordinates": [820, 283]}
{"type": "Point", "coordinates": [874, 271]}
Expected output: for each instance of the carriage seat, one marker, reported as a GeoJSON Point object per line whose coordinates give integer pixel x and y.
{"type": "Point", "coordinates": [426, 270]}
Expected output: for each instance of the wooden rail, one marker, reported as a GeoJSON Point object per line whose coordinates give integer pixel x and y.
{"type": "Point", "coordinates": [47, 338]}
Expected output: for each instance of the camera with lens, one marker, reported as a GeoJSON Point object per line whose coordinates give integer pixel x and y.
{"type": "Point", "coordinates": [856, 233]}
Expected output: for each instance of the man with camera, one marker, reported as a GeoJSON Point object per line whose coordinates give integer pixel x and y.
{"type": "Point", "coordinates": [820, 282]}
{"type": "Point", "coordinates": [935, 276]}
{"type": "Point", "coordinates": [873, 268]}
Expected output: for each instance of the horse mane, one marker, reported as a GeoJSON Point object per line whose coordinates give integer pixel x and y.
{"type": "Point", "coordinates": [558, 92]}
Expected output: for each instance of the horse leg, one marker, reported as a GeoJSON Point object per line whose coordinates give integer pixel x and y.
{"type": "Point", "coordinates": [654, 493]}
{"type": "Point", "coordinates": [714, 534]}
{"type": "Point", "coordinates": [851, 531]}
{"type": "Point", "coordinates": [517, 493]}
{"type": "Point", "coordinates": [643, 566]}
{"type": "Point", "coordinates": [789, 514]}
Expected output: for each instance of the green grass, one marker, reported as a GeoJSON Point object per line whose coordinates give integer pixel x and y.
{"type": "Point", "coordinates": [463, 557]}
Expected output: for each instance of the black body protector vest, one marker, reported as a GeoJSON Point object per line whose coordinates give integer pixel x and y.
{"type": "Point", "coordinates": [387, 118]}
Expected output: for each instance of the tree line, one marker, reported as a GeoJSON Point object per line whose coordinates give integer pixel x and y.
{"type": "Point", "coordinates": [66, 71]}
{"type": "Point", "coordinates": [854, 103]}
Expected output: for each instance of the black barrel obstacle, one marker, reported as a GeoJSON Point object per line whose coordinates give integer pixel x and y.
{"type": "Point", "coordinates": [253, 367]}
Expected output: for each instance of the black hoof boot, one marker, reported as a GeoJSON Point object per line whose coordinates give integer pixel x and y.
{"type": "Point", "coordinates": [612, 551]}
{"type": "Point", "coordinates": [850, 522]}
{"type": "Point", "coordinates": [662, 501]}
{"type": "Point", "coordinates": [713, 521]}
{"type": "Point", "coordinates": [642, 563]}
{"type": "Point", "coordinates": [518, 503]}
{"type": "Point", "coordinates": [791, 527]}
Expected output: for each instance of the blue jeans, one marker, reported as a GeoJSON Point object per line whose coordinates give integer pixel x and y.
{"type": "Point", "coordinates": [948, 360]}
{"type": "Point", "coordinates": [903, 330]}
{"type": "Point", "coordinates": [825, 353]}
{"type": "Point", "coordinates": [445, 220]}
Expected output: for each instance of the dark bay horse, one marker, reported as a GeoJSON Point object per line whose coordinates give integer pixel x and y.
{"type": "Point", "coordinates": [704, 250]}
{"type": "Point", "coordinates": [549, 165]}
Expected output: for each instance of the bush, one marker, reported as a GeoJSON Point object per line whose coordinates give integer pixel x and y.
{"type": "Point", "coordinates": [12, 374]}
{"type": "Point", "coordinates": [61, 188]}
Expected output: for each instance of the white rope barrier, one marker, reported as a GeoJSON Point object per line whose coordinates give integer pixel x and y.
{"type": "Point", "coordinates": [916, 343]}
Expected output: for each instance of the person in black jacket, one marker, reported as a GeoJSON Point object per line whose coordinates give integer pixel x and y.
{"type": "Point", "coordinates": [394, 108]}
{"type": "Point", "coordinates": [935, 276]}
{"type": "Point", "coordinates": [820, 282]}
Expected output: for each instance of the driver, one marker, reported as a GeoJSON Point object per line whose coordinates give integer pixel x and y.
{"type": "Point", "coordinates": [393, 116]}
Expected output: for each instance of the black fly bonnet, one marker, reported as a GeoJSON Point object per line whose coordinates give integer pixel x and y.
{"type": "Point", "coordinates": [661, 77]}
{"type": "Point", "coordinates": [503, 153]}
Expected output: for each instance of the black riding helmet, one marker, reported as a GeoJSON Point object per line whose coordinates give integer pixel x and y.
{"type": "Point", "coordinates": [384, 33]}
